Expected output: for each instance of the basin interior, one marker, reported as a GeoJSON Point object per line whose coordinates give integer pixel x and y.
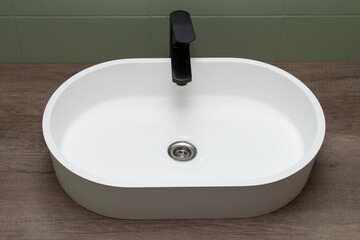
{"type": "Point", "coordinates": [113, 123]}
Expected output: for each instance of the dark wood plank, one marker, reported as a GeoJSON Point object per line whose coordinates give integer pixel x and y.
{"type": "Point", "coordinates": [34, 206]}
{"type": "Point", "coordinates": [26, 88]}
{"type": "Point", "coordinates": [22, 147]}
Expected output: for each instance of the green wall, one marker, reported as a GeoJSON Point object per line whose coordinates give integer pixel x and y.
{"type": "Point", "coordinates": [57, 31]}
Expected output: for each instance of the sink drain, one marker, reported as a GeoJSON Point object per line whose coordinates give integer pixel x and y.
{"type": "Point", "coordinates": [182, 151]}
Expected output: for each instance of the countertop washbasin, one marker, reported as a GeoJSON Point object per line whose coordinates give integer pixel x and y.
{"type": "Point", "coordinates": [256, 130]}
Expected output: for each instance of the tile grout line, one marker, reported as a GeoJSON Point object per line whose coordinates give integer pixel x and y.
{"type": "Point", "coordinates": [150, 51]}
{"type": "Point", "coordinates": [196, 16]}
{"type": "Point", "coordinates": [81, 16]}
{"type": "Point", "coordinates": [16, 31]}
{"type": "Point", "coordinates": [282, 30]}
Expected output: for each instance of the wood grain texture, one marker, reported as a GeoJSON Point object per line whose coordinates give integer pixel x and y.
{"type": "Point", "coordinates": [34, 206]}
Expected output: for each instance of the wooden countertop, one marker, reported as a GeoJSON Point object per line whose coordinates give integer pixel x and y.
{"type": "Point", "coordinates": [34, 206]}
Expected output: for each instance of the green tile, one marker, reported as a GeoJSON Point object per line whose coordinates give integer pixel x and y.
{"type": "Point", "coordinates": [9, 50]}
{"type": "Point", "coordinates": [219, 8]}
{"type": "Point", "coordinates": [247, 37]}
{"type": "Point", "coordinates": [81, 7]}
{"type": "Point", "coordinates": [82, 39]}
{"type": "Point", "coordinates": [321, 39]}
{"type": "Point", "coordinates": [319, 7]}
{"type": "Point", "coordinates": [5, 8]}
{"type": "Point", "coordinates": [159, 37]}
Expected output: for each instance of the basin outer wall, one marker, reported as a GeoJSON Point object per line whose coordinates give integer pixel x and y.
{"type": "Point", "coordinates": [181, 202]}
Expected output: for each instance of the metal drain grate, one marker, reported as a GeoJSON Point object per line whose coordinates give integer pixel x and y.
{"type": "Point", "coordinates": [182, 151]}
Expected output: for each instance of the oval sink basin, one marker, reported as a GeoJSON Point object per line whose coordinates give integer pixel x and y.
{"type": "Point", "coordinates": [254, 128]}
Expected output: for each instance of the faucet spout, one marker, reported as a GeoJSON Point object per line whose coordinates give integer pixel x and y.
{"type": "Point", "coordinates": [181, 35]}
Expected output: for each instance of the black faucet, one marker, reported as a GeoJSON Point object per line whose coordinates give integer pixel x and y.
{"type": "Point", "coordinates": [181, 35]}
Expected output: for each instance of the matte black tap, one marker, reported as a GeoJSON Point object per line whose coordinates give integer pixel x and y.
{"type": "Point", "coordinates": [181, 35]}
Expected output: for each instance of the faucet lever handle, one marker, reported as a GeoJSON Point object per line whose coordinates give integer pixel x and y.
{"type": "Point", "coordinates": [181, 27]}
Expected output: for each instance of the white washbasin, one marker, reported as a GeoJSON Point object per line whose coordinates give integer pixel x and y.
{"type": "Point", "coordinates": [256, 128]}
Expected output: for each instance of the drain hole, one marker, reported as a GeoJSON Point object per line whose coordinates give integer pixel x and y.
{"type": "Point", "coordinates": [182, 151]}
